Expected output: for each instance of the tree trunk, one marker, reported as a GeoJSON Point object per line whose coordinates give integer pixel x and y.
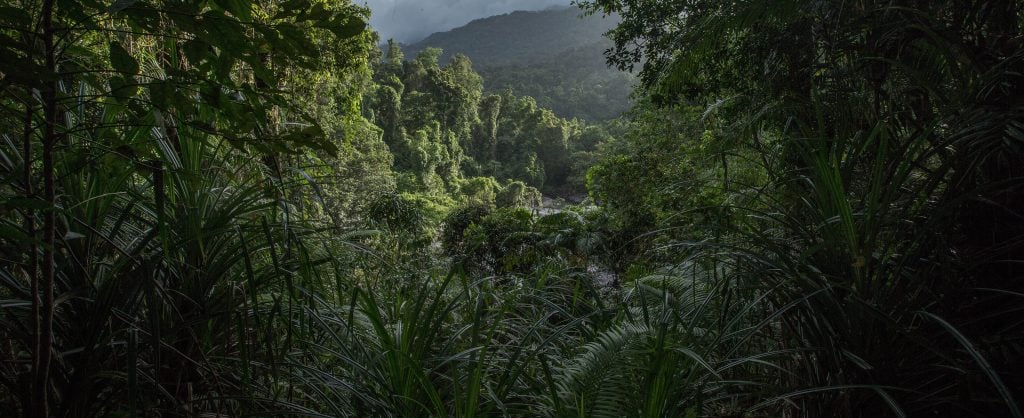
{"type": "Point", "coordinates": [44, 348]}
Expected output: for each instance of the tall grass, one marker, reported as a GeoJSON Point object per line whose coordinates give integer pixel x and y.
{"type": "Point", "coordinates": [176, 277]}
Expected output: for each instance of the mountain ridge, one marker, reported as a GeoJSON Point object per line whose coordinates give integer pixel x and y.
{"type": "Point", "coordinates": [555, 56]}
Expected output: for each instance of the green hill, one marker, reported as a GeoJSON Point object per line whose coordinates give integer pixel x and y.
{"type": "Point", "coordinates": [555, 56]}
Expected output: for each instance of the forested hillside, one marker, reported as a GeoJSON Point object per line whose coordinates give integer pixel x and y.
{"type": "Point", "coordinates": [555, 56]}
{"type": "Point", "coordinates": [446, 134]}
{"type": "Point", "coordinates": [217, 208]}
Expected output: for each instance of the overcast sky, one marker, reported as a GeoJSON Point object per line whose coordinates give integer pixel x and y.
{"type": "Point", "coordinates": [411, 20]}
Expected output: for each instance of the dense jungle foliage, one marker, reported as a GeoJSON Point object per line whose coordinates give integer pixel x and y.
{"type": "Point", "coordinates": [248, 208]}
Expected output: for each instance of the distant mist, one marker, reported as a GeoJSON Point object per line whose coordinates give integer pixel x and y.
{"type": "Point", "coordinates": [409, 21]}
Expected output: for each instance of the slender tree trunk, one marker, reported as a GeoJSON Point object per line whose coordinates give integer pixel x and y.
{"type": "Point", "coordinates": [45, 349]}
{"type": "Point", "coordinates": [32, 268]}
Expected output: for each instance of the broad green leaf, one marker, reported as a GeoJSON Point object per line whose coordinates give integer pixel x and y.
{"type": "Point", "coordinates": [318, 13]}
{"type": "Point", "coordinates": [122, 61]}
{"type": "Point", "coordinates": [14, 16]}
{"type": "Point", "coordinates": [345, 27]}
{"type": "Point", "coordinates": [291, 8]}
{"type": "Point", "coordinates": [120, 5]}
{"type": "Point", "coordinates": [241, 9]}
{"type": "Point", "coordinates": [195, 51]}
{"type": "Point", "coordinates": [123, 88]}
{"type": "Point", "coordinates": [160, 94]}
{"type": "Point", "coordinates": [143, 17]}
{"type": "Point", "coordinates": [224, 32]}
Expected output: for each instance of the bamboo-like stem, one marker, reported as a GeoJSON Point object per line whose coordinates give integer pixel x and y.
{"type": "Point", "coordinates": [44, 349]}
{"type": "Point", "coordinates": [32, 268]}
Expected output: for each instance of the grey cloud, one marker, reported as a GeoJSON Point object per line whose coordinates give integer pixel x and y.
{"type": "Point", "coordinates": [411, 20]}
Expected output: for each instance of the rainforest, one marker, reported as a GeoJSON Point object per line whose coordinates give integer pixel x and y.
{"type": "Point", "coordinates": [749, 208]}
